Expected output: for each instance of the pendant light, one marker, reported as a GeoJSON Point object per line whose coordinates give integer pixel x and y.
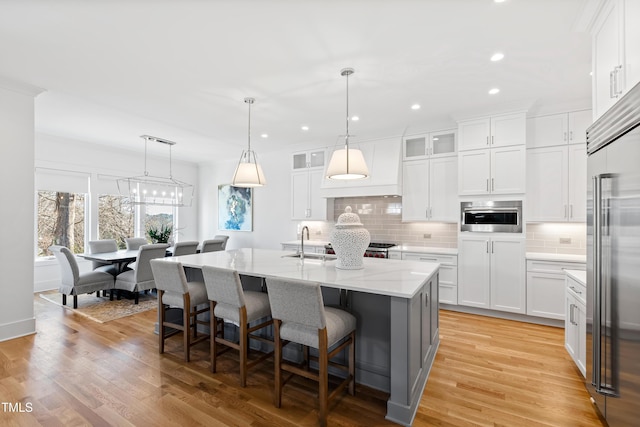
{"type": "Point", "coordinates": [249, 172]}
{"type": "Point", "coordinates": [347, 163]}
{"type": "Point", "coordinates": [156, 190]}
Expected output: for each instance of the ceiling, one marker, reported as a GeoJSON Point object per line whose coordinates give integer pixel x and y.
{"type": "Point", "coordinates": [179, 70]}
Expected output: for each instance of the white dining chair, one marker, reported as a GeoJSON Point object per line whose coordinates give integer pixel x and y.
{"type": "Point", "coordinates": [73, 282]}
{"type": "Point", "coordinates": [141, 279]}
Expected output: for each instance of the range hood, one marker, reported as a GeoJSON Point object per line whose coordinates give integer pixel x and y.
{"type": "Point", "coordinates": [384, 158]}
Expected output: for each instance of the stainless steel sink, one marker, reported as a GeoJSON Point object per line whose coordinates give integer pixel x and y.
{"type": "Point", "coordinates": [311, 256]}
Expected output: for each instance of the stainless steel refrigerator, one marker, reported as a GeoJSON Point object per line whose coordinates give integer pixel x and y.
{"type": "Point", "coordinates": [613, 262]}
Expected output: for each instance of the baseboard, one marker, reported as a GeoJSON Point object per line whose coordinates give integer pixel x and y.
{"type": "Point", "coordinates": [504, 315]}
{"type": "Point", "coordinates": [18, 329]}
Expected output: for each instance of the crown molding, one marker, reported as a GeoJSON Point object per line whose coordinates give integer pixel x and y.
{"type": "Point", "coordinates": [20, 87]}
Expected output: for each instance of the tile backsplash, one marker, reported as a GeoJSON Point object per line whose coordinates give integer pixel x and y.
{"type": "Point", "coordinates": [382, 216]}
{"type": "Point", "coordinates": [557, 238]}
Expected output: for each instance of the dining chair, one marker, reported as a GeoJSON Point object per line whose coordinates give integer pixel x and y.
{"type": "Point", "coordinates": [175, 291]}
{"type": "Point", "coordinates": [73, 282]}
{"type": "Point", "coordinates": [140, 279]}
{"type": "Point", "coordinates": [185, 248]}
{"type": "Point", "coordinates": [222, 237]}
{"type": "Point", "coordinates": [229, 302]}
{"type": "Point", "coordinates": [102, 246]}
{"type": "Point", "coordinates": [218, 243]}
{"type": "Point", "coordinates": [134, 243]}
{"type": "Point", "coordinates": [299, 316]}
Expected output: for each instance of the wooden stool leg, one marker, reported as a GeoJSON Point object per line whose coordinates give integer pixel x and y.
{"type": "Point", "coordinates": [161, 317]}
{"type": "Point", "coordinates": [186, 326]}
{"type": "Point", "coordinates": [352, 364]}
{"type": "Point", "coordinates": [277, 359]}
{"type": "Point", "coordinates": [213, 331]}
{"type": "Point", "coordinates": [243, 346]}
{"type": "Point", "coordinates": [323, 376]}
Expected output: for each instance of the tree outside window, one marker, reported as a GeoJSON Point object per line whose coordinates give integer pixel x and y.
{"type": "Point", "coordinates": [60, 221]}
{"type": "Point", "coordinates": [157, 217]}
{"type": "Point", "coordinates": [116, 217]}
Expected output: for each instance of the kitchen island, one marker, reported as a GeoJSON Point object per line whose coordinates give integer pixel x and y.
{"type": "Point", "coordinates": [395, 304]}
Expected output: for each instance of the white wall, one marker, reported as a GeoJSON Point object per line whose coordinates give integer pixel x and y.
{"type": "Point", "coordinates": [76, 156]}
{"type": "Point", "coordinates": [272, 222]}
{"type": "Point", "coordinates": [16, 215]}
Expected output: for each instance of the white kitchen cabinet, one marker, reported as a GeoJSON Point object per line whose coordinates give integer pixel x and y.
{"type": "Point", "coordinates": [309, 159]}
{"type": "Point", "coordinates": [575, 331]}
{"type": "Point", "coordinates": [429, 189]}
{"type": "Point", "coordinates": [495, 131]}
{"type": "Point", "coordinates": [616, 53]}
{"type": "Point", "coordinates": [557, 184]}
{"type": "Point", "coordinates": [558, 129]}
{"type": "Point", "coordinates": [491, 272]}
{"type": "Point", "coordinates": [546, 287]}
{"type": "Point", "coordinates": [500, 170]}
{"type": "Point", "coordinates": [306, 179]}
{"type": "Point", "coordinates": [308, 248]}
{"type": "Point", "coordinates": [448, 284]}
{"type": "Point", "coordinates": [433, 144]}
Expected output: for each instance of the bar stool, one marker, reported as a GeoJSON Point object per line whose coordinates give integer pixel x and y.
{"type": "Point", "coordinates": [175, 291]}
{"type": "Point", "coordinates": [228, 301]}
{"type": "Point", "coordinates": [299, 316]}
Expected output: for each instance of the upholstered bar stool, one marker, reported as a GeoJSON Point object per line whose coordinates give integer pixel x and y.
{"type": "Point", "coordinates": [175, 291]}
{"type": "Point", "coordinates": [228, 301]}
{"type": "Point", "coordinates": [299, 316]}
{"type": "Point", "coordinates": [215, 244]}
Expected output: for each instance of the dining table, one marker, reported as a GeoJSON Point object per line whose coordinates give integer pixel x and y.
{"type": "Point", "coordinates": [120, 258]}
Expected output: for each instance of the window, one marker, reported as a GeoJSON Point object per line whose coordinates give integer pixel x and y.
{"type": "Point", "coordinates": [156, 217]}
{"type": "Point", "coordinates": [61, 221]}
{"type": "Point", "coordinates": [115, 218]}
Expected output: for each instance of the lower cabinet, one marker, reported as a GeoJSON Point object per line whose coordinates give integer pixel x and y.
{"type": "Point", "coordinates": [448, 284]}
{"type": "Point", "coordinates": [575, 331]}
{"type": "Point", "coordinates": [308, 248]}
{"type": "Point", "coordinates": [546, 287]}
{"type": "Point", "coordinates": [491, 272]}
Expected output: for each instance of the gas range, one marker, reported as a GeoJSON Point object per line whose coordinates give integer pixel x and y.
{"type": "Point", "coordinates": [375, 250]}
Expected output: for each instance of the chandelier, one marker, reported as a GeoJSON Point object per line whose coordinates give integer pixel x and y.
{"type": "Point", "coordinates": [347, 163]}
{"type": "Point", "coordinates": [248, 172]}
{"type": "Point", "coordinates": [156, 190]}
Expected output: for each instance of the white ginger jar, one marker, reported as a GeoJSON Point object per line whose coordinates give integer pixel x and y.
{"type": "Point", "coordinates": [349, 240]}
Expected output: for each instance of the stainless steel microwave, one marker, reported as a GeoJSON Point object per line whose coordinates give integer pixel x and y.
{"type": "Point", "coordinates": [491, 216]}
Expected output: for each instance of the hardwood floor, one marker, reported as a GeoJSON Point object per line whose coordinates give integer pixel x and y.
{"type": "Point", "coordinates": [74, 371]}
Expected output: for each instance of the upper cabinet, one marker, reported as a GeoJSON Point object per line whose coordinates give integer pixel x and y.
{"type": "Point", "coordinates": [306, 178]}
{"type": "Point", "coordinates": [434, 144]}
{"type": "Point", "coordinates": [616, 53]}
{"type": "Point", "coordinates": [308, 159]}
{"type": "Point", "coordinates": [491, 157]}
{"type": "Point", "coordinates": [495, 131]}
{"type": "Point", "coordinates": [558, 129]}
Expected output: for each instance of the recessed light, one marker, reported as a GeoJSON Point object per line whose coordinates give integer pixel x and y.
{"type": "Point", "coordinates": [498, 1]}
{"type": "Point", "coordinates": [494, 91]}
{"type": "Point", "coordinates": [497, 56]}
{"type": "Point", "coordinates": [264, 135]}
{"type": "Point", "coordinates": [415, 107]}
{"type": "Point", "coordinates": [305, 128]}
{"type": "Point", "coordinates": [355, 118]}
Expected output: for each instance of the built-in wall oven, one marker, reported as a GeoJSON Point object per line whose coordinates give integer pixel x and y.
{"type": "Point", "coordinates": [504, 216]}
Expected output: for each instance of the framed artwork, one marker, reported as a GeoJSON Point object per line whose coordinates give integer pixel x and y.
{"type": "Point", "coordinates": [235, 208]}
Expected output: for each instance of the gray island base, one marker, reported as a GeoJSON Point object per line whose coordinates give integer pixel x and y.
{"type": "Point", "coordinates": [395, 304]}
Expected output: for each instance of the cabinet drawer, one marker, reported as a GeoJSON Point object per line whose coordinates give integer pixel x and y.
{"type": "Point", "coordinates": [557, 267]}
{"type": "Point", "coordinates": [577, 289]}
{"type": "Point", "coordinates": [448, 294]}
{"type": "Point", "coordinates": [442, 259]}
{"type": "Point", "coordinates": [395, 255]}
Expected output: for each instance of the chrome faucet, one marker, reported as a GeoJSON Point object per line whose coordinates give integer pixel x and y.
{"type": "Point", "coordinates": [302, 241]}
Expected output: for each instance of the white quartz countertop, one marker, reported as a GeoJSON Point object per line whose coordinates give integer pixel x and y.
{"type": "Point", "coordinates": [313, 243]}
{"type": "Point", "coordinates": [541, 256]}
{"type": "Point", "coordinates": [424, 249]}
{"type": "Point", "coordinates": [379, 276]}
{"type": "Point", "coordinates": [579, 275]}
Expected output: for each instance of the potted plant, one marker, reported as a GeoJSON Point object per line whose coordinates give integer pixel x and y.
{"type": "Point", "coordinates": [160, 234]}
